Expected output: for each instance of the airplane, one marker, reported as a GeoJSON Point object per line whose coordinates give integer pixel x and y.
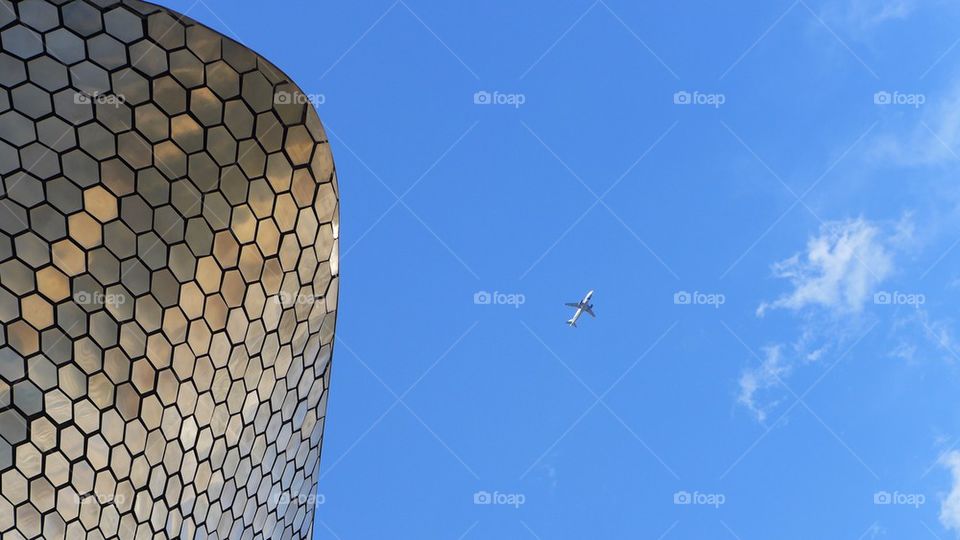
{"type": "Point", "coordinates": [584, 306]}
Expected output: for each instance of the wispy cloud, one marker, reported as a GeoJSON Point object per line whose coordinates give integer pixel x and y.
{"type": "Point", "coordinates": [925, 337]}
{"type": "Point", "coordinates": [839, 269]}
{"type": "Point", "coordinates": [940, 334]}
{"type": "Point", "coordinates": [831, 281]}
{"type": "Point", "coordinates": [865, 15]}
{"type": "Point", "coordinates": [950, 506]}
{"type": "Point", "coordinates": [759, 384]}
{"type": "Point", "coordinates": [873, 12]}
{"type": "Point", "coordinates": [758, 379]}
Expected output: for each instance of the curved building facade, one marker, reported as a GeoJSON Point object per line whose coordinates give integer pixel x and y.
{"type": "Point", "coordinates": [168, 279]}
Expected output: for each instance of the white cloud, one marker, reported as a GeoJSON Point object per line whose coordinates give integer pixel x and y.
{"type": "Point", "coordinates": [864, 15]}
{"type": "Point", "coordinates": [833, 277]}
{"type": "Point", "coordinates": [873, 12]}
{"type": "Point", "coordinates": [757, 384]}
{"type": "Point", "coordinates": [950, 506]}
{"type": "Point", "coordinates": [905, 233]}
{"type": "Point", "coordinates": [939, 333]}
{"type": "Point", "coordinates": [838, 271]}
{"type": "Point", "coordinates": [920, 336]}
{"type": "Point", "coordinates": [755, 380]}
{"type": "Point", "coordinates": [905, 351]}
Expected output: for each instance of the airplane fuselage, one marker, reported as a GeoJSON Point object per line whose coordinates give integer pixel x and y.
{"type": "Point", "coordinates": [583, 305]}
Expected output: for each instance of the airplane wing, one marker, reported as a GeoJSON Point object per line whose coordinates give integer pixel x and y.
{"type": "Point", "coordinates": [572, 304]}
{"type": "Point", "coordinates": [589, 311]}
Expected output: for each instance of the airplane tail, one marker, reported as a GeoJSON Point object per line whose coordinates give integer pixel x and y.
{"type": "Point", "coordinates": [572, 323]}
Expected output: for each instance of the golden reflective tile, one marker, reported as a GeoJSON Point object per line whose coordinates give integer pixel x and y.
{"type": "Point", "coordinates": [191, 300]}
{"type": "Point", "coordinates": [208, 274]}
{"type": "Point", "coordinates": [187, 133]}
{"type": "Point", "coordinates": [188, 70]}
{"type": "Point", "coordinates": [23, 338]}
{"type": "Point", "coordinates": [199, 337]}
{"type": "Point", "coordinates": [100, 391]}
{"type": "Point", "coordinates": [100, 203]}
{"type": "Point", "coordinates": [206, 106]}
{"type": "Point", "coordinates": [243, 224]}
{"type": "Point", "coordinates": [85, 230]}
{"type": "Point", "coordinates": [53, 284]}
{"type": "Point", "coordinates": [204, 43]}
{"type": "Point", "coordinates": [299, 145]}
{"type": "Point", "coordinates": [37, 311]}
{"type": "Point", "coordinates": [268, 237]}
{"type": "Point", "coordinates": [279, 172]}
{"type": "Point", "coordinates": [68, 257]}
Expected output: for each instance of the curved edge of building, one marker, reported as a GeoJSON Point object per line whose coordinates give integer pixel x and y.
{"type": "Point", "coordinates": [169, 224]}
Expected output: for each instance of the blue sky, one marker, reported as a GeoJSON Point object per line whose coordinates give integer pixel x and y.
{"type": "Point", "coordinates": [790, 166]}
